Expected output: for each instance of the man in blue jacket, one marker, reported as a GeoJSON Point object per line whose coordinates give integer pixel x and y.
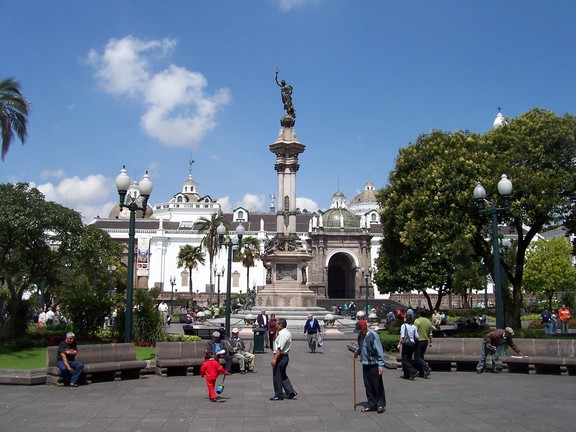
{"type": "Point", "coordinates": [372, 353]}
{"type": "Point", "coordinates": [312, 327]}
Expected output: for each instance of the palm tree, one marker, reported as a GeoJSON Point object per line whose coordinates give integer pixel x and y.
{"type": "Point", "coordinates": [13, 113]}
{"type": "Point", "coordinates": [190, 257]}
{"type": "Point", "coordinates": [248, 254]}
{"type": "Point", "coordinates": [210, 240]}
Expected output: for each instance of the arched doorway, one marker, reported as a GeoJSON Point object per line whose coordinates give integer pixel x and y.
{"type": "Point", "coordinates": [340, 277]}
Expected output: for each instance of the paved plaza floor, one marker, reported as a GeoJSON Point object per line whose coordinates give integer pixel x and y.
{"type": "Point", "coordinates": [446, 402]}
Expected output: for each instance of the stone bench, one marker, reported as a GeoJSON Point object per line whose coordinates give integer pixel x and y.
{"type": "Point", "coordinates": [202, 333]}
{"type": "Point", "coordinates": [451, 354]}
{"type": "Point", "coordinates": [545, 356]}
{"type": "Point", "coordinates": [182, 358]}
{"type": "Point", "coordinates": [179, 358]}
{"type": "Point", "coordinates": [540, 356]}
{"type": "Point", "coordinates": [105, 361]}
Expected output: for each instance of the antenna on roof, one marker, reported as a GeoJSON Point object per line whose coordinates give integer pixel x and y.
{"type": "Point", "coordinates": [191, 161]}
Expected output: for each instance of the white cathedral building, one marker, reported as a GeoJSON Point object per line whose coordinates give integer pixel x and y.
{"type": "Point", "coordinates": [170, 225]}
{"type": "Point", "coordinates": [343, 242]}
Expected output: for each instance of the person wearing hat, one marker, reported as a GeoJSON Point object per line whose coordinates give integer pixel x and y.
{"type": "Point", "coordinates": [372, 353]}
{"type": "Point", "coordinates": [244, 357]}
{"type": "Point", "coordinates": [490, 346]}
{"type": "Point", "coordinates": [70, 367]}
{"type": "Point", "coordinates": [221, 349]}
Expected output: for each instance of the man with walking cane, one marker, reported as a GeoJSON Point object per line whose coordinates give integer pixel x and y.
{"type": "Point", "coordinates": [372, 354]}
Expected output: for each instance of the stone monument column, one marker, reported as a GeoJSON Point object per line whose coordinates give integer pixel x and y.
{"type": "Point", "coordinates": [285, 258]}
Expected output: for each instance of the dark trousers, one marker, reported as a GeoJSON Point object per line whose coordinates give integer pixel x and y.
{"type": "Point", "coordinates": [374, 386]}
{"type": "Point", "coordinates": [281, 380]}
{"type": "Point", "coordinates": [272, 336]}
{"type": "Point", "coordinates": [419, 353]}
{"type": "Point", "coordinates": [407, 367]}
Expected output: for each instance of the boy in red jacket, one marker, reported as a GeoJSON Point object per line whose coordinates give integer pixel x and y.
{"type": "Point", "coordinates": [210, 369]}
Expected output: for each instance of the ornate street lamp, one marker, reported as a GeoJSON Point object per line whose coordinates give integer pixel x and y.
{"type": "Point", "coordinates": [486, 207]}
{"type": "Point", "coordinates": [230, 244]}
{"type": "Point", "coordinates": [218, 274]}
{"type": "Point", "coordinates": [366, 275]}
{"type": "Point", "coordinates": [143, 189]}
{"type": "Point", "coordinates": [172, 282]}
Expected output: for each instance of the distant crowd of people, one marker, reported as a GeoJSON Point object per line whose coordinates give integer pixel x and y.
{"type": "Point", "coordinates": [552, 320]}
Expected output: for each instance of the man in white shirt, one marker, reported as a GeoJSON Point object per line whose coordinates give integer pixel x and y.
{"type": "Point", "coordinates": [50, 316]}
{"type": "Point", "coordinates": [42, 319]}
{"type": "Point", "coordinates": [163, 309]}
{"type": "Point", "coordinates": [282, 345]}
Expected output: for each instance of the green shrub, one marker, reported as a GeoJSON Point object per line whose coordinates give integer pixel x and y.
{"type": "Point", "coordinates": [169, 337]}
{"type": "Point", "coordinates": [389, 341]}
{"type": "Point", "coordinates": [147, 321]}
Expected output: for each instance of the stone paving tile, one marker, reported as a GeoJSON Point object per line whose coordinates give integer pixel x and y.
{"type": "Point", "coordinates": [447, 402]}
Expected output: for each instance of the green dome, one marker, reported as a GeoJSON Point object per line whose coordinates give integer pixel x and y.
{"type": "Point", "coordinates": [332, 218]}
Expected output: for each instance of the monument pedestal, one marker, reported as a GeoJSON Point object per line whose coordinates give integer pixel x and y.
{"type": "Point", "coordinates": [286, 282]}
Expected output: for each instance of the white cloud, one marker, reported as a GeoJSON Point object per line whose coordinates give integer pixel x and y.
{"type": "Point", "coordinates": [225, 204]}
{"type": "Point", "coordinates": [252, 202]}
{"type": "Point", "coordinates": [306, 203]}
{"type": "Point", "coordinates": [288, 5]}
{"type": "Point", "coordinates": [178, 111]}
{"type": "Point", "coordinates": [90, 195]}
{"type": "Point", "coordinates": [52, 173]}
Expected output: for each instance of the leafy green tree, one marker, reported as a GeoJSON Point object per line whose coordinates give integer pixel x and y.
{"type": "Point", "coordinates": [210, 240]}
{"type": "Point", "coordinates": [86, 310]}
{"type": "Point", "coordinates": [36, 237]}
{"type": "Point", "coordinates": [248, 254]}
{"type": "Point", "coordinates": [537, 151]}
{"type": "Point", "coordinates": [425, 214]}
{"type": "Point", "coordinates": [13, 113]}
{"type": "Point", "coordinates": [84, 291]}
{"type": "Point", "coordinates": [190, 257]}
{"type": "Point", "coordinates": [549, 268]}
{"type": "Point", "coordinates": [427, 209]}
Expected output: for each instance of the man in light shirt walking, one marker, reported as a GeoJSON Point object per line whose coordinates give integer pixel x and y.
{"type": "Point", "coordinates": [282, 345]}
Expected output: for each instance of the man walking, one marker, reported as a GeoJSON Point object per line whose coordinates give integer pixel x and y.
{"type": "Point", "coordinates": [490, 344]}
{"type": "Point", "coordinates": [372, 354]}
{"type": "Point", "coordinates": [163, 309]}
{"type": "Point", "coordinates": [312, 328]}
{"type": "Point", "coordinates": [424, 326]}
{"type": "Point", "coordinates": [279, 363]}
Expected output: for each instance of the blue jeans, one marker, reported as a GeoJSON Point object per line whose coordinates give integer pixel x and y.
{"type": "Point", "coordinates": [71, 377]}
{"type": "Point", "coordinates": [494, 356]}
{"type": "Point", "coordinates": [548, 328]}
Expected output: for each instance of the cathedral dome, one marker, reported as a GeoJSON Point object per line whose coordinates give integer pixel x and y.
{"type": "Point", "coordinates": [367, 196]}
{"type": "Point", "coordinates": [116, 213]}
{"type": "Point", "coordinates": [339, 218]}
{"type": "Point", "coordinates": [365, 201]}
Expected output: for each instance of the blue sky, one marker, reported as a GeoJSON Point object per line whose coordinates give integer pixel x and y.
{"type": "Point", "coordinates": [153, 85]}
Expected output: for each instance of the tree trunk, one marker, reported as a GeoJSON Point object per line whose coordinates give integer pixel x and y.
{"type": "Point", "coordinates": [15, 325]}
